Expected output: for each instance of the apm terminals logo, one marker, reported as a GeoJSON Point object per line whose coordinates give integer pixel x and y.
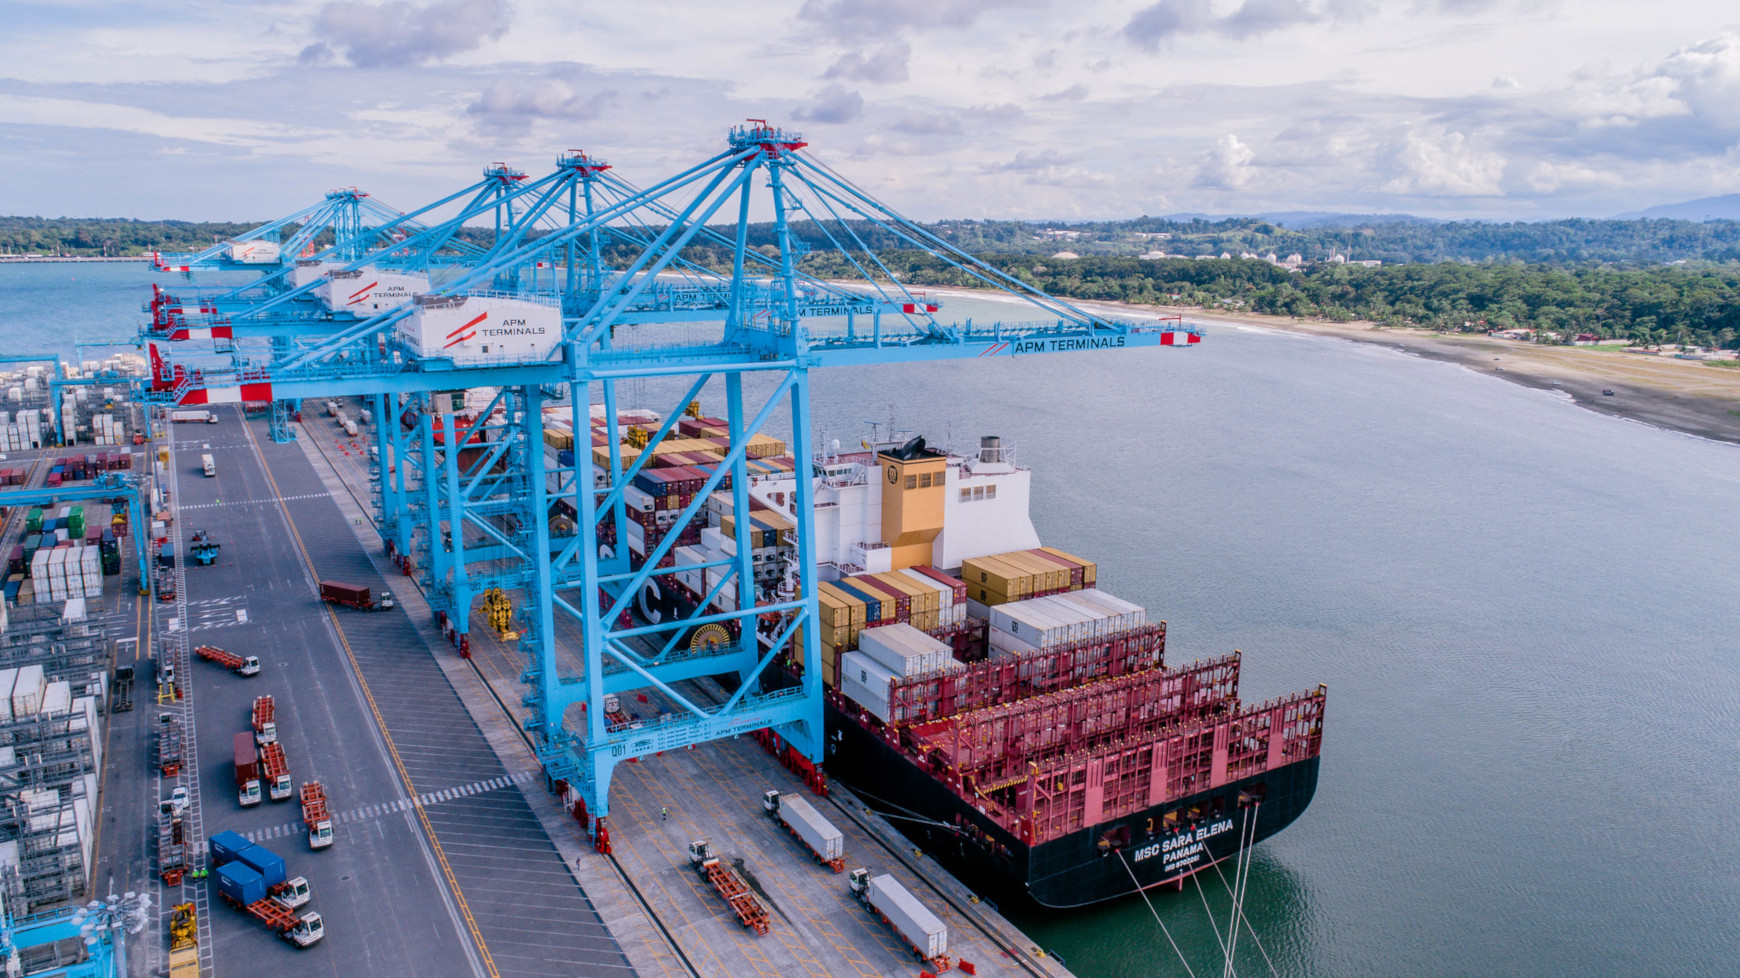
{"type": "Point", "coordinates": [514, 327]}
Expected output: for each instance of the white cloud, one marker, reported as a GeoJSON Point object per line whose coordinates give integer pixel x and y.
{"type": "Point", "coordinates": [1448, 165]}
{"type": "Point", "coordinates": [399, 33]}
{"type": "Point", "coordinates": [1228, 164]}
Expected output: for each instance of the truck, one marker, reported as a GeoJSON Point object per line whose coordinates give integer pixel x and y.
{"type": "Point", "coordinates": [171, 846]}
{"type": "Point", "coordinates": [209, 465]}
{"type": "Point", "coordinates": [265, 728]}
{"type": "Point", "coordinates": [315, 816]}
{"type": "Point", "coordinates": [277, 771]}
{"type": "Point", "coordinates": [193, 417]}
{"type": "Point", "coordinates": [247, 769]}
{"type": "Point", "coordinates": [807, 825]}
{"type": "Point", "coordinates": [354, 596]}
{"type": "Point", "coordinates": [249, 666]}
{"type": "Point", "coordinates": [883, 896]}
{"type": "Point", "coordinates": [251, 878]}
{"type": "Point", "coordinates": [169, 748]}
{"type": "Point", "coordinates": [725, 881]}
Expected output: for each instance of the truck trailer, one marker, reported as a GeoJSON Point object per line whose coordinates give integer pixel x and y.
{"type": "Point", "coordinates": [193, 417]}
{"type": "Point", "coordinates": [277, 771]}
{"type": "Point", "coordinates": [251, 878]}
{"type": "Point", "coordinates": [801, 819]}
{"type": "Point", "coordinates": [247, 770]}
{"type": "Point", "coordinates": [265, 727]}
{"type": "Point", "coordinates": [315, 816]}
{"type": "Point", "coordinates": [918, 927]}
{"type": "Point", "coordinates": [249, 666]}
{"type": "Point", "coordinates": [354, 596]}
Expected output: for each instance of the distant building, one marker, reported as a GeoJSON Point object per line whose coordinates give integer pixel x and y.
{"type": "Point", "coordinates": [1152, 255]}
{"type": "Point", "coordinates": [1369, 262]}
{"type": "Point", "coordinates": [1059, 233]}
{"type": "Point", "coordinates": [1585, 339]}
{"type": "Point", "coordinates": [1066, 255]}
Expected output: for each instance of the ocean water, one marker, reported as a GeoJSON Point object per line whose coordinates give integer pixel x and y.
{"type": "Point", "coordinates": [1526, 614]}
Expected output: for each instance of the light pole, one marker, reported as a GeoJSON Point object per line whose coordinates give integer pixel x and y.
{"type": "Point", "coordinates": [120, 915]}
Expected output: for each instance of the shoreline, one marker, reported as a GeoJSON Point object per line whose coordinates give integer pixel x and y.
{"type": "Point", "coordinates": [1687, 396]}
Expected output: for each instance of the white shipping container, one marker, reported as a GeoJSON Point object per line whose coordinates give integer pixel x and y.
{"type": "Point", "coordinates": [8, 677]}
{"type": "Point", "coordinates": [921, 928]}
{"type": "Point", "coordinates": [865, 681]}
{"type": "Point", "coordinates": [820, 835]}
{"type": "Point", "coordinates": [637, 499]}
{"type": "Point", "coordinates": [57, 698]}
{"type": "Point", "coordinates": [27, 691]}
{"type": "Point", "coordinates": [75, 611]}
{"type": "Point", "coordinates": [903, 650]}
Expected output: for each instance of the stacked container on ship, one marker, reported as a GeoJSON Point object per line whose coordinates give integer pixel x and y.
{"type": "Point", "coordinates": [1023, 722]}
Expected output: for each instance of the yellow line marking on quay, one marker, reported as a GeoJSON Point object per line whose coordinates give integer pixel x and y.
{"type": "Point", "coordinates": [380, 722]}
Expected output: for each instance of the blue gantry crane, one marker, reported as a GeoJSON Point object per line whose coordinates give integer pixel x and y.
{"type": "Point", "coordinates": [697, 308]}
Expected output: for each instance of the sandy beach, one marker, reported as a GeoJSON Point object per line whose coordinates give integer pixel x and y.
{"type": "Point", "coordinates": [1690, 396]}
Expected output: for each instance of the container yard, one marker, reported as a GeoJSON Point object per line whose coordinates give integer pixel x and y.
{"type": "Point", "coordinates": [578, 679]}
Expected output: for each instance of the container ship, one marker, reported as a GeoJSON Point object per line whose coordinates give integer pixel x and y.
{"type": "Point", "coordinates": [983, 691]}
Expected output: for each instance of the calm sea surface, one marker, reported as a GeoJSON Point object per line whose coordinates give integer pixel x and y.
{"type": "Point", "coordinates": [1527, 615]}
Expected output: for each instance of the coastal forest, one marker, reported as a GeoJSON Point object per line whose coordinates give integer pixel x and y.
{"type": "Point", "coordinates": [1637, 281]}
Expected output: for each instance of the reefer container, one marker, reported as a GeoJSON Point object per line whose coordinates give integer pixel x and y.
{"type": "Point", "coordinates": [909, 918]}
{"type": "Point", "coordinates": [864, 681]}
{"type": "Point", "coordinates": [904, 650]}
{"type": "Point", "coordinates": [799, 816]}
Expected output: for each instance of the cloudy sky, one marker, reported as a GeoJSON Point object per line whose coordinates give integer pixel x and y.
{"type": "Point", "coordinates": [247, 109]}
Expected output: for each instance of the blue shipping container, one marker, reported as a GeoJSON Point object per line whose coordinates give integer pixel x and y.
{"type": "Point", "coordinates": [872, 602]}
{"type": "Point", "coordinates": [269, 864]}
{"type": "Point", "coordinates": [225, 845]}
{"type": "Point", "coordinates": [240, 883]}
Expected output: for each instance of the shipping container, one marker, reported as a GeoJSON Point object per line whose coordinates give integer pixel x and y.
{"type": "Point", "coordinates": [240, 882]}
{"type": "Point", "coordinates": [225, 845]}
{"type": "Point", "coordinates": [903, 650]}
{"type": "Point", "coordinates": [798, 815]}
{"type": "Point", "coordinates": [264, 861]}
{"type": "Point", "coordinates": [921, 929]}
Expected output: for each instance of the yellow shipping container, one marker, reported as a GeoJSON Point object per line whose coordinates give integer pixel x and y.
{"type": "Point", "coordinates": [559, 438]}
{"type": "Point", "coordinates": [1088, 568]}
{"type": "Point", "coordinates": [1047, 576]}
{"type": "Point", "coordinates": [922, 598]}
{"type": "Point", "coordinates": [762, 446]}
{"type": "Point", "coordinates": [995, 574]}
{"type": "Point", "coordinates": [856, 607]}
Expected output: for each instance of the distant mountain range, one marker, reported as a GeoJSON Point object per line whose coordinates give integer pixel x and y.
{"type": "Point", "coordinates": [1300, 220]}
{"type": "Point", "coordinates": [1723, 208]}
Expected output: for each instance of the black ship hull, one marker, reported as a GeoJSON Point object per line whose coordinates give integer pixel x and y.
{"type": "Point", "coordinates": [1102, 862]}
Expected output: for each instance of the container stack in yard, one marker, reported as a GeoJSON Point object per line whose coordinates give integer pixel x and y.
{"type": "Point", "coordinates": [251, 878]}
{"type": "Point", "coordinates": [801, 819]}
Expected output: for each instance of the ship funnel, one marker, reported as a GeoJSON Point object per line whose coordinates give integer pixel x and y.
{"type": "Point", "coordinates": [990, 449]}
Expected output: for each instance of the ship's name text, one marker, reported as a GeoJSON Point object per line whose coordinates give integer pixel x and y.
{"type": "Point", "coordinates": [1182, 847]}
